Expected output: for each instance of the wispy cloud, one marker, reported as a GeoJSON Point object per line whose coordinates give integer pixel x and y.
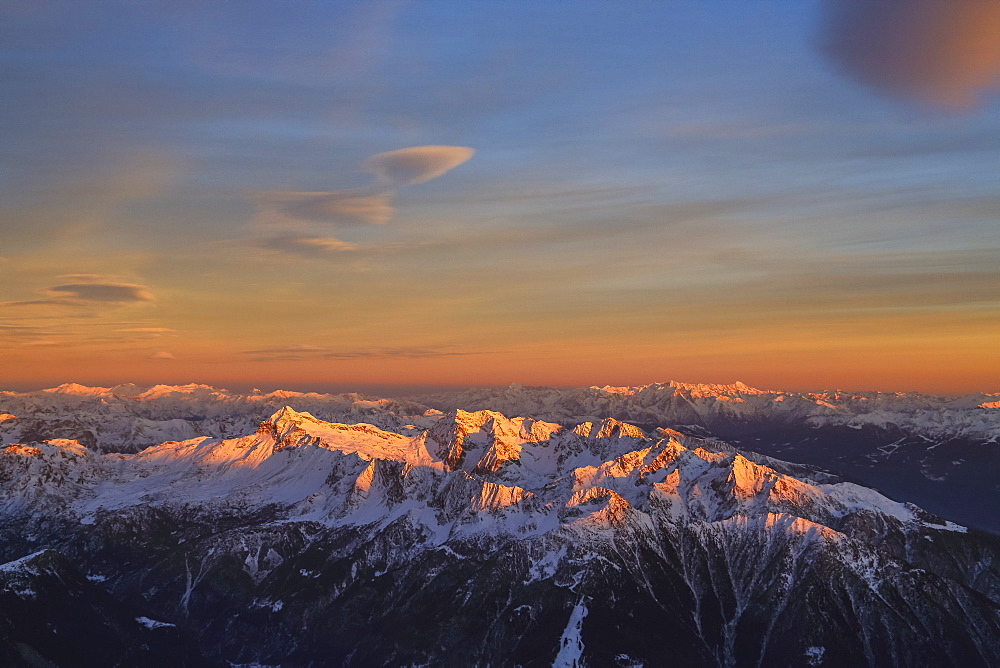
{"type": "Point", "coordinates": [68, 330]}
{"type": "Point", "coordinates": [307, 247]}
{"type": "Point", "coordinates": [304, 351]}
{"type": "Point", "coordinates": [945, 52]}
{"type": "Point", "coordinates": [344, 207]}
{"type": "Point", "coordinates": [87, 278]}
{"type": "Point", "coordinates": [162, 356]}
{"type": "Point", "coordinates": [146, 330]}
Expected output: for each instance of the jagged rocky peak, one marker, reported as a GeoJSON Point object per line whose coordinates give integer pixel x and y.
{"type": "Point", "coordinates": [609, 428]}
{"type": "Point", "coordinates": [283, 418]}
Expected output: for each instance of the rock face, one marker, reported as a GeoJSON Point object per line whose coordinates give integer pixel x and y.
{"type": "Point", "coordinates": [475, 538]}
{"type": "Point", "coordinates": [51, 615]}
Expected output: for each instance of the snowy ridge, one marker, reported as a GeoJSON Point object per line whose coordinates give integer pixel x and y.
{"type": "Point", "coordinates": [476, 471]}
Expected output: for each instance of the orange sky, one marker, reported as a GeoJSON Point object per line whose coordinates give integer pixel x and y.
{"type": "Point", "coordinates": [411, 195]}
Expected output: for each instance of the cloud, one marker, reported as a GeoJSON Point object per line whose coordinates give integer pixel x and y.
{"type": "Point", "coordinates": [364, 206]}
{"type": "Point", "coordinates": [301, 352]}
{"type": "Point", "coordinates": [100, 292]}
{"type": "Point", "coordinates": [418, 164]}
{"type": "Point", "coordinates": [943, 52]}
{"type": "Point", "coordinates": [86, 278]}
{"type": "Point", "coordinates": [162, 355]}
{"type": "Point", "coordinates": [285, 350]}
{"type": "Point", "coordinates": [146, 330]}
{"type": "Point", "coordinates": [346, 207]}
{"type": "Point", "coordinates": [309, 247]}
{"type": "Point", "coordinates": [88, 294]}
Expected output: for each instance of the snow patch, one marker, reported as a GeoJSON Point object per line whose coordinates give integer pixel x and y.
{"type": "Point", "coordinates": [152, 623]}
{"type": "Point", "coordinates": [855, 498]}
{"type": "Point", "coordinates": [19, 565]}
{"type": "Point", "coordinates": [571, 643]}
{"type": "Point", "coordinates": [947, 526]}
{"type": "Point", "coordinates": [814, 655]}
{"type": "Point", "coordinates": [545, 568]}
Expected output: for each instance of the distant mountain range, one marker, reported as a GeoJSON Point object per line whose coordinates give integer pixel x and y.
{"type": "Point", "coordinates": [311, 530]}
{"type": "Point", "coordinates": [941, 453]}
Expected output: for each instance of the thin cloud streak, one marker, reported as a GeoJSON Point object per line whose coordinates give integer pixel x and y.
{"type": "Point", "coordinates": [307, 247]}
{"type": "Point", "coordinates": [146, 330]}
{"type": "Point", "coordinates": [343, 207]}
{"type": "Point", "coordinates": [303, 352]}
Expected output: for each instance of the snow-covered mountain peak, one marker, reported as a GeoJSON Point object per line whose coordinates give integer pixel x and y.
{"type": "Point", "coordinates": [191, 389]}
{"type": "Point", "coordinates": [78, 390]}
{"type": "Point", "coordinates": [692, 389]}
{"type": "Point", "coordinates": [286, 417]}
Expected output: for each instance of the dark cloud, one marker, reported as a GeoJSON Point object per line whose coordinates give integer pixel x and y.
{"type": "Point", "coordinates": [101, 292]}
{"type": "Point", "coordinates": [88, 294]}
{"type": "Point", "coordinates": [944, 52]}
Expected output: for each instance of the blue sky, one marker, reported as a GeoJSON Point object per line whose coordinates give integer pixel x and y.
{"type": "Point", "coordinates": [690, 190]}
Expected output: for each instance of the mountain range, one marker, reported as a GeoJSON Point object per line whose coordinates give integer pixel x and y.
{"type": "Point", "coordinates": [194, 526]}
{"type": "Point", "coordinates": [941, 453]}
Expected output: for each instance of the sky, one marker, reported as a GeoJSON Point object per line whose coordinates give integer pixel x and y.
{"type": "Point", "coordinates": [336, 195]}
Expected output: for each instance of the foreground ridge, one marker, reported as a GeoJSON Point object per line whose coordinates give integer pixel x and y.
{"type": "Point", "coordinates": [472, 537]}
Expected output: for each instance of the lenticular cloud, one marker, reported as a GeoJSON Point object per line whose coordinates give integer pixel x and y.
{"type": "Point", "coordinates": [418, 164]}
{"type": "Point", "coordinates": [102, 292]}
{"type": "Point", "coordinates": [365, 206]}
{"type": "Point", "coordinates": [943, 52]}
